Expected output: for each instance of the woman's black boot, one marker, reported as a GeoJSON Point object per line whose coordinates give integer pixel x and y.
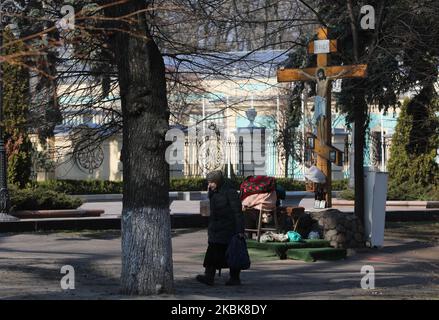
{"type": "Point", "coordinates": [208, 278]}
{"type": "Point", "coordinates": [234, 278]}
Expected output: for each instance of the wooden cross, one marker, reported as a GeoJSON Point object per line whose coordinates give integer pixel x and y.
{"type": "Point", "coordinates": [323, 75]}
{"type": "Point", "coordinates": [330, 153]}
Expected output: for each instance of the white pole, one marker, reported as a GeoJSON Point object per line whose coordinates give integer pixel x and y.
{"type": "Point", "coordinates": [227, 109]}
{"type": "Point", "coordinates": [275, 159]}
{"type": "Point", "coordinates": [382, 143]}
{"type": "Point", "coordinates": [229, 174]}
{"type": "Point", "coordinates": [277, 112]}
{"type": "Point", "coordinates": [204, 117]}
{"type": "Point", "coordinates": [204, 134]}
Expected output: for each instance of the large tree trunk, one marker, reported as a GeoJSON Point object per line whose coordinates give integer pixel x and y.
{"type": "Point", "coordinates": [146, 226]}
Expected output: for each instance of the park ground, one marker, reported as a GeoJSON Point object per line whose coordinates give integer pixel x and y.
{"type": "Point", "coordinates": [407, 267]}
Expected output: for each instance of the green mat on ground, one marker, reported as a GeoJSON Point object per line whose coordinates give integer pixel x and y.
{"type": "Point", "coordinates": [313, 254]}
{"type": "Point", "coordinates": [262, 255]}
{"type": "Point", "coordinates": [280, 248]}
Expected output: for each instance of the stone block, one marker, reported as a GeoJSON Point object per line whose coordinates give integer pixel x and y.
{"type": "Point", "coordinates": [331, 233]}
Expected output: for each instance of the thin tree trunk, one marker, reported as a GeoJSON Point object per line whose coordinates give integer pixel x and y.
{"type": "Point", "coordinates": [146, 226]}
{"type": "Point", "coordinates": [354, 30]}
{"type": "Point", "coordinates": [359, 120]}
{"type": "Point", "coordinates": [286, 147]}
{"type": "Point", "coordinates": [359, 137]}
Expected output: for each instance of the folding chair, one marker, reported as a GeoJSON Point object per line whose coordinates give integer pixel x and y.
{"type": "Point", "coordinates": [259, 228]}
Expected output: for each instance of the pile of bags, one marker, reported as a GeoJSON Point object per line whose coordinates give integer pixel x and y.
{"type": "Point", "coordinates": [290, 236]}
{"type": "Point", "coordinates": [258, 192]}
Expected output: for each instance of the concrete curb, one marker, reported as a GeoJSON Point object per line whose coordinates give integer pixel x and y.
{"type": "Point", "coordinates": [173, 195]}
{"type": "Point", "coordinates": [93, 223]}
{"type": "Point", "coordinates": [70, 213]}
{"type": "Point", "coordinates": [412, 215]}
{"type": "Point", "coordinates": [98, 197]}
{"type": "Point", "coordinates": [392, 203]}
{"type": "Point", "coordinates": [432, 204]}
{"type": "Point", "coordinates": [409, 215]}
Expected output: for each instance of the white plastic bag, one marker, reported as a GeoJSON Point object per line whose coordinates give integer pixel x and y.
{"type": "Point", "coordinates": [313, 235]}
{"type": "Point", "coordinates": [315, 175]}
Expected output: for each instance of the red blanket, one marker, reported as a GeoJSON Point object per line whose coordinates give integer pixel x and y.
{"type": "Point", "coordinates": [257, 184]}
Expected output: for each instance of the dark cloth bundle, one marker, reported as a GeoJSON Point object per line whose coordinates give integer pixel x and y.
{"type": "Point", "coordinates": [216, 256]}
{"type": "Point", "coordinates": [257, 184]}
{"type": "Point", "coordinates": [237, 254]}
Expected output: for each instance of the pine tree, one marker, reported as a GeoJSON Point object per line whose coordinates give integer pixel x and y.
{"type": "Point", "coordinates": [413, 170]}
{"type": "Point", "coordinates": [16, 109]}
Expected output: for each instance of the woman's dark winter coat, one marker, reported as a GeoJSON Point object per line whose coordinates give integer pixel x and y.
{"type": "Point", "coordinates": [226, 217]}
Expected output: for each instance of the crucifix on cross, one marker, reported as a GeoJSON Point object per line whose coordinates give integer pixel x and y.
{"type": "Point", "coordinates": [319, 108]}
{"type": "Point", "coordinates": [323, 75]}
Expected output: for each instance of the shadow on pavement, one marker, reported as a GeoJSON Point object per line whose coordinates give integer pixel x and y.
{"type": "Point", "coordinates": [98, 278]}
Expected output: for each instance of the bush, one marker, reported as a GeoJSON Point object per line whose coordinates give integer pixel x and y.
{"type": "Point", "coordinates": [107, 187]}
{"type": "Point", "coordinates": [187, 184]}
{"type": "Point", "coordinates": [409, 191]}
{"type": "Point", "coordinates": [338, 185]}
{"type": "Point", "coordinates": [413, 170]}
{"type": "Point", "coordinates": [347, 194]}
{"type": "Point", "coordinates": [197, 184]}
{"type": "Point", "coordinates": [41, 199]}
{"type": "Point", "coordinates": [291, 184]}
{"type": "Point", "coordinates": [433, 194]}
{"type": "Point", "coordinates": [82, 186]}
{"type": "Point", "coordinates": [401, 192]}
{"type": "Point", "coordinates": [176, 184]}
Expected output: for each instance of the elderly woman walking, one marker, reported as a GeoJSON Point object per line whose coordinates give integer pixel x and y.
{"type": "Point", "coordinates": [226, 220]}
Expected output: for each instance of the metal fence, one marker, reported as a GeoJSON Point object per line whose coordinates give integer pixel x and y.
{"type": "Point", "coordinates": [234, 156]}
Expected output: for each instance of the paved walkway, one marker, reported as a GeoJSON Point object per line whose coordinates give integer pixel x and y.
{"type": "Point", "coordinates": [114, 208]}
{"type": "Point", "coordinates": [30, 267]}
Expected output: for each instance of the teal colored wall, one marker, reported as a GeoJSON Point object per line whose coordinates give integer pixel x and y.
{"type": "Point", "coordinates": [338, 121]}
